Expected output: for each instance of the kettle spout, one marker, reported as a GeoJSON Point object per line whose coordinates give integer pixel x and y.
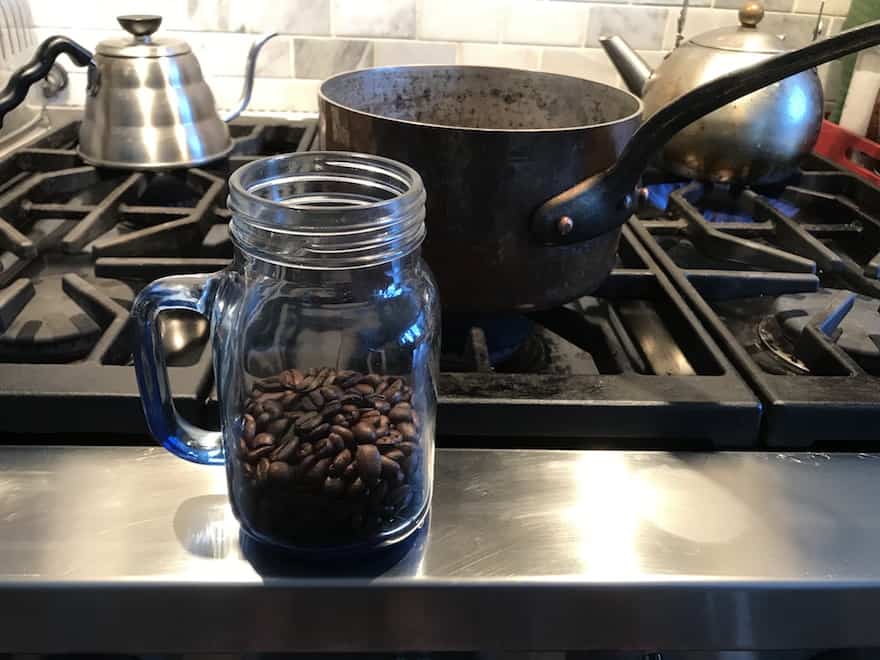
{"type": "Point", "coordinates": [250, 68]}
{"type": "Point", "coordinates": [632, 68]}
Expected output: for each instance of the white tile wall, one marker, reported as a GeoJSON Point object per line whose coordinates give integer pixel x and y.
{"type": "Point", "coordinates": [520, 57]}
{"type": "Point", "coordinates": [322, 37]}
{"type": "Point", "coordinates": [460, 20]}
{"type": "Point", "coordinates": [534, 22]}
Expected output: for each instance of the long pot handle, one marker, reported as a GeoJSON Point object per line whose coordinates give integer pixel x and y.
{"type": "Point", "coordinates": [38, 68]}
{"type": "Point", "coordinates": [605, 201]}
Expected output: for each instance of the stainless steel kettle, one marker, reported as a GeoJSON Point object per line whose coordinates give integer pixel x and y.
{"type": "Point", "coordinates": [147, 106]}
{"type": "Point", "coordinates": [758, 138]}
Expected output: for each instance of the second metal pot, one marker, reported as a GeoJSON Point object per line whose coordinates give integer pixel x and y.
{"type": "Point", "coordinates": [529, 176]}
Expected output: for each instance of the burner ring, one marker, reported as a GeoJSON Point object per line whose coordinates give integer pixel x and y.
{"type": "Point", "coordinates": [769, 339]}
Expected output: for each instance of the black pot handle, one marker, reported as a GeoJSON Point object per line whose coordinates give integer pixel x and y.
{"type": "Point", "coordinates": [605, 201]}
{"type": "Point", "coordinates": [38, 68]}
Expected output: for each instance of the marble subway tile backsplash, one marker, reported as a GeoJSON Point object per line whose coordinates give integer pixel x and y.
{"type": "Point", "coordinates": [322, 37]}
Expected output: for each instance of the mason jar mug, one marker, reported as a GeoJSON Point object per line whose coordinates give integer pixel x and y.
{"type": "Point", "coordinates": [325, 336]}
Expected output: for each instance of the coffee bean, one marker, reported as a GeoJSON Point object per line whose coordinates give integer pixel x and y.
{"type": "Point", "coordinates": [408, 447]}
{"type": "Point", "coordinates": [316, 398]}
{"type": "Point", "coordinates": [356, 488]}
{"type": "Point", "coordinates": [337, 442]}
{"type": "Point", "coordinates": [249, 429]}
{"type": "Point", "coordinates": [373, 380]}
{"type": "Point", "coordinates": [274, 408]}
{"type": "Point", "coordinates": [242, 447]}
{"type": "Point", "coordinates": [301, 469]}
{"type": "Point", "coordinates": [330, 410]}
{"type": "Point", "coordinates": [324, 448]}
{"type": "Point", "coordinates": [381, 405]}
{"type": "Point", "coordinates": [278, 427]}
{"type": "Point", "coordinates": [317, 433]}
{"type": "Point", "coordinates": [409, 465]}
{"type": "Point", "coordinates": [305, 449]}
{"type": "Point", "coordinates": [402, 412]}
{"type": "Point", "coordinates": [287, 449]}
{"type": "Point", "coordinates": [263, 440]}
{"type": "Point", "coordinates": [351, 471]}
{"type": "Point", "coordinates": [343, 432]}
{"type": "Point", "coordinates": [393, 390]}
{"type": "Point", "coordinates": [334, 486]}
{"type": "Point", "coordinates": [288, 401]}
{"type": "Point", "coordinates": [268, 385]}
{"type": "Point", "coordinates": [346, 379]}
{"type": "Point", "coordinates": [363, 433]}
{"type": "Point", "coordinates": [262, 419]}
{"type": "Point", "coordinates": [389, 468]}
{"type": "Point", "coordinates": [388, 443]}
{"type": "Point", "coordinates": [338, 419]}
{"type": "Point", "coordinates": [331, 393]}
{"type": "Point", "coordinates": [325, 377]}
{"type": "Point", "coordinates": [308, 422]}
{"type": "Point", "coordinates": [370, 414]}
{"type": "Point", "coordinates": [399, 497]}
{"type": "Point", "coordinates": [363, 389]}
{"type": "Point", "coordinates": [262, 469]}
{"type": "Point", "coordinates": [395, 455]}
{"type": "Point", "coordinates": [291, 378]}
{"type": "Point", "coordinates": [307, 384]}
{"type": "Point", "coordinates": [370, 463]}
{"type": "Point", "coordinates": [318, 472]}
{"type": "Point", "coordinates": [343, 458]}
{"type": "Point", "coordinates": [248, 470]}
{"type": "Point", "coordinates": [408, 431]}
{"type": "Point", "coordinates": [266, 397]}
{"type": "Point", "coordinates": [279, 471]}
{"type": "Point", "coordinates": [256, 454]}
{"type": "Point", "coordinates": [351, 398]}
{"type": "Point", "coordinates": [307, 404]}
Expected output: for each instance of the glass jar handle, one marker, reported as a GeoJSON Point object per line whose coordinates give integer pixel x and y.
{"type": "Point", "coordinates": [191, 292]}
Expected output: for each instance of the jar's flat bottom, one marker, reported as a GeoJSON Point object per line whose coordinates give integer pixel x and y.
{"type": "Point", "coordinates": [316, 552]}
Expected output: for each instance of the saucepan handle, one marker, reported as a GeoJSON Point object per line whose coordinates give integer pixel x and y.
{"type": "Point", "coordinates": [37, 68]}
{"type": "Point", "coordinates": [605, 201]}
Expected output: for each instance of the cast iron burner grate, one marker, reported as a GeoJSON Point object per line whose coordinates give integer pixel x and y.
{"type": "Point", "coordinates": [791, 291]}
{"type": "Point", "coordinates": [76, 244]}
{"type": "Point", "coordinates": [630, 365]}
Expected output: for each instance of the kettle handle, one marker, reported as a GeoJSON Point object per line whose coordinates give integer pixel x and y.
{"type": "Point", "coordinates": [603, 202]}
{"type": "Point", "coordinates": [37, 68]}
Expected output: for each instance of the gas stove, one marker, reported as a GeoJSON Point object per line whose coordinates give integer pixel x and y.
{"type": "Point", "coordinates": [786, 280]}
{"type": "Point", "coordinates": [733, 318]}
{"type": "Point", "coordinates": [629, 366]}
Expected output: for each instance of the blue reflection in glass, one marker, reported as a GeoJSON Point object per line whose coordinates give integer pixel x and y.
{"type": "Point", "coordinates": [391, 291]}
{"type": "Point", "coordinates": [413, 332]}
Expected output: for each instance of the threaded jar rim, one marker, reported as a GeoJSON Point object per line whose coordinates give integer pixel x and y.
{"type": "Point", "coordinates": [327, 209]}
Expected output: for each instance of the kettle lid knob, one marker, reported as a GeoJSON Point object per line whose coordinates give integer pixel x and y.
{"type": "Point", "coordinates": [140, 25]}
{"type": "Point", "coordinates": [751, 13]}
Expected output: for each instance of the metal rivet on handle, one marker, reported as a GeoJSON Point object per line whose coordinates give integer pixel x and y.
{"type": "Point", "coordinates": [564, 225]}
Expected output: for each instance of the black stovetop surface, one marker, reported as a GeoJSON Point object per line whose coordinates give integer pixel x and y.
{"type": "Point", "coordinates": [706, 334]}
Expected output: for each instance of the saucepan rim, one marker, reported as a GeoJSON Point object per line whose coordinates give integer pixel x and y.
{"type": "Point", "coordinates": [471, 129]}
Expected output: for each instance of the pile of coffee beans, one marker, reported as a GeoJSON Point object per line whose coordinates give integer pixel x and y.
{"type": "Point", "coordinates": [328, 456]}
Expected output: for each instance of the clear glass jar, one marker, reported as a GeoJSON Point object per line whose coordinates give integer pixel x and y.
{"type": "Point", "coordinates": [326, 341]}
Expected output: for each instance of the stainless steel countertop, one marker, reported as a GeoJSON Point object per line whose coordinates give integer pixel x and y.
{"type": "Point", "coordinates": [131, 549]}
